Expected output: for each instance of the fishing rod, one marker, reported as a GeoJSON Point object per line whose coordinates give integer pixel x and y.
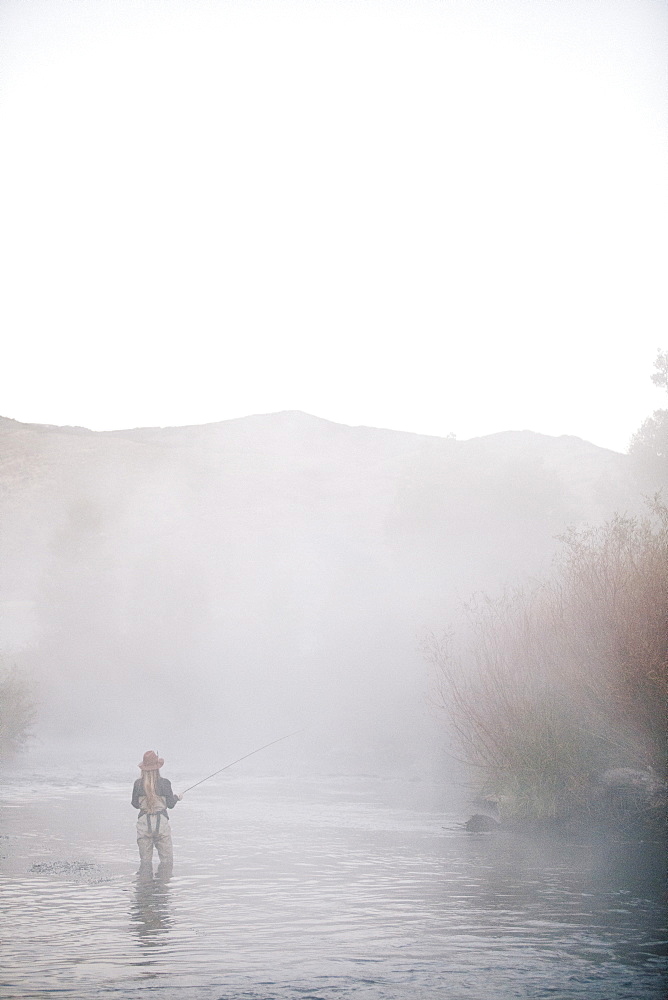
{"type": "Point", "coordinates": [296, 733]}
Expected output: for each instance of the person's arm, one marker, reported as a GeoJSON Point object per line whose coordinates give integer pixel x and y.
{"type": "Point", "coordinates": [166, 791]}
{"type": "Point", "coordinates": [136, 788]}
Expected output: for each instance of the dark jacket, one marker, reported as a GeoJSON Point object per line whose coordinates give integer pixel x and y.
{"type": "Point", "coordinates": [163, 787]}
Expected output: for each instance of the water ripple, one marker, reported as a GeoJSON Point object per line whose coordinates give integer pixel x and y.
{"type": "Point", "coordinates": [316, 899]}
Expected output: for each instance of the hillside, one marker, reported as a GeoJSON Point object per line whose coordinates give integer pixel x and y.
{"type": "Point", "coordinates": [260, 571]}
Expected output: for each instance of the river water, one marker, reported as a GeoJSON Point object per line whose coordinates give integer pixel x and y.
{"type": "Point", "coordinates": [317, 889]}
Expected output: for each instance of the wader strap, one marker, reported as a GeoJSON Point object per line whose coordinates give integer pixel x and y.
{"type": "Point", "coordinates": [154, 834]}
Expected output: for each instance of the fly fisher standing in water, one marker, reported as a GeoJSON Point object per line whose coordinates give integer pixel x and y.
{"type": "Point", "coordinates": [153, 796]}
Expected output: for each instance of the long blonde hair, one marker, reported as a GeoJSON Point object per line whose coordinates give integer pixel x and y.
{"type": "Point", "coordinates": [149, 783]}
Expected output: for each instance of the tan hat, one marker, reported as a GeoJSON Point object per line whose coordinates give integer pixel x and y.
{"type": "Point", "coordinates": [151, 761]}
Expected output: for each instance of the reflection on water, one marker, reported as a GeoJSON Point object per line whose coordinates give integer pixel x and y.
{"type": "Point", "coordinates": [150, 914]}
{"type": "Point", "coordinates": [321, 891]}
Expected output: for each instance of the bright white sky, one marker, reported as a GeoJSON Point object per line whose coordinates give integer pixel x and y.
{"type": "Point", "coordinates": [434, 216]}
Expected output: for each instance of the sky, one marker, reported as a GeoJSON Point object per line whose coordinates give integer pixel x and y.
{"type": "Point", "coordinates": [433, 216]}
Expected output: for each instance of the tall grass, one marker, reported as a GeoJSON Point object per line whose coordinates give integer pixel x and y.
{"type": "Point", "coordinates": [557, 681]}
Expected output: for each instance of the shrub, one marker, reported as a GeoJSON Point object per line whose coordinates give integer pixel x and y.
{"type": "Point", "coordinates": [559, 680]}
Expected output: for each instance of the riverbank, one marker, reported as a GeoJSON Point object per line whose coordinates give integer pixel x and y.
{"type": "Point", "coordinates": [624, 804]}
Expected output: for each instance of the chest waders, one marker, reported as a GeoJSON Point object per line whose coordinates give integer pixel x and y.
{"type": "Point", "coordinates": [151, 832]}
{"type": "Point", "coordinates": [154, 835]}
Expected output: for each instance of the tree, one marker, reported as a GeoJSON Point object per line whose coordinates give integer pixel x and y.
{"type": "Point", "coordinates": [660, 377]}
{"type": "Point", "coordinates": [648, 449]}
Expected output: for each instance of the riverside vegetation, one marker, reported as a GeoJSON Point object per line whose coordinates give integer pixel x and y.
{"type": "Point", "coordinates": [557, 693]}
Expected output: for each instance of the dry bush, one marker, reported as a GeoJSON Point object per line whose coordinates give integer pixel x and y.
{"type": "Point", "coordinates": [615, 626]}
{"type": "Point", "coordinates": [557, 681]}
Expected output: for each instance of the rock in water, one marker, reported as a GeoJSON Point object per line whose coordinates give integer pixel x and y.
{"type": "Point", "coordinates": [479, 823]}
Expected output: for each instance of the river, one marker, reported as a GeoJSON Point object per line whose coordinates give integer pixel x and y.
{"type": "Point", "coordinates": [321, 888]}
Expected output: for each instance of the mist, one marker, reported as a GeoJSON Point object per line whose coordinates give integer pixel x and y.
{"type": "Point", "coordinates": [218, 586]}
{"type": "Point", "coordinates": [205, 590]}
{"type": "Point", "coordinates": [219, 220]}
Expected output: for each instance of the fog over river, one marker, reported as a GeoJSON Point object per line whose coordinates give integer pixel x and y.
{"type": "Point", "coordinates": [257, 575]}
{"type": "Point", "coordinates": [203, 591]}
{"type": "Point", "coordinates": [320, 887]}
{"type": "Point", "coordinates": [441, 216]}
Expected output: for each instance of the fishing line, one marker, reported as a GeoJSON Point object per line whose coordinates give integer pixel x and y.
{"type": "Point", "coordinates": [296, 733]}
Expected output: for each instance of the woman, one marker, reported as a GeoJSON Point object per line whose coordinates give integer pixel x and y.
{"type": "Point", "coordinates": [153, 796]}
